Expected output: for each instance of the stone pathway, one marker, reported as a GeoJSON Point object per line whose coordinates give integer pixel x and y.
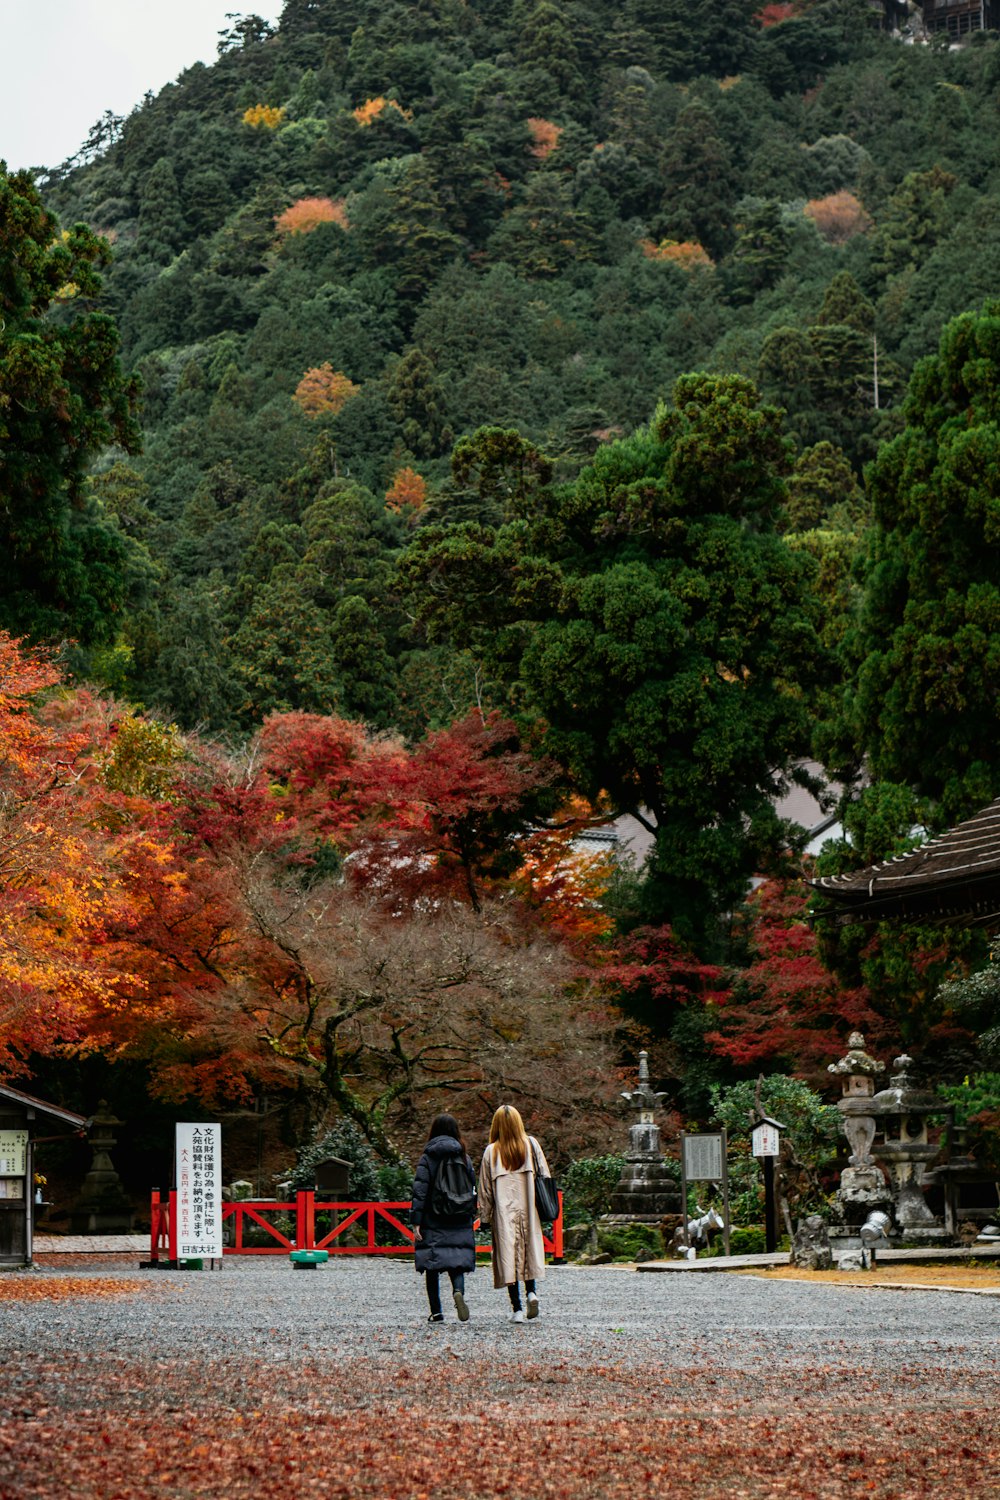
{"type": "Point", "coordinates": [885, 1257]}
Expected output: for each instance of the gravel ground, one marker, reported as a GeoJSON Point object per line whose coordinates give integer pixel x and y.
{"type": "Point", "coordinates": [633, 1384]}
{"type": "Point", "coordinates": [348, 1306]}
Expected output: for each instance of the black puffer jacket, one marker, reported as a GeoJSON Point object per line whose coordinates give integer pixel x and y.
{"type": "Point", "coordinates": [441, 1247]}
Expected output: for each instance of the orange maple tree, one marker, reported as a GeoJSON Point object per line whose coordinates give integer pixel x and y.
{"type": "Point", "coordinates": [838, 217]}
{"type": "Point", "coordinates": [68, 836]}
{"type": "Point", "coordinates": [408, 491]}
{"type": "Point", "coordinates": [324, 391]}
{"type": "Point", "coordinates": [561, 879]}
{"type": "Point", "coordinates": [776, 12]}
{"type": "Point", "coordinates": [684, 253]}
{"type": "Point", "coordinates": [367, 113]}
{"type": "Point", "coordinates": [545, 134]}
{"type": "Point", "coordinates": [307, 214]}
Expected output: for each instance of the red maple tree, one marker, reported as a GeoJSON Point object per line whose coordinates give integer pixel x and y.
{"type": "Point", "coordinates": [785, 1011]}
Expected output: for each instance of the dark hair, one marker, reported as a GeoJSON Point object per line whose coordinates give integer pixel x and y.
{"type": "Point", "coordinates": [446, 1125]}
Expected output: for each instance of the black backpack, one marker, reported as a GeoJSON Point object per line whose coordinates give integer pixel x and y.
{"type": "Point", "coordinates": [453, 1195]}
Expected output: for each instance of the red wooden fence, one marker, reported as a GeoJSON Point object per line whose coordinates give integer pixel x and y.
{"type": "Point", "coordinates": [301, 1233]}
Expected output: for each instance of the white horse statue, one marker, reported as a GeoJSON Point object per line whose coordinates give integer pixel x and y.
{"type": "Point", "coordinates": [699, 1231]}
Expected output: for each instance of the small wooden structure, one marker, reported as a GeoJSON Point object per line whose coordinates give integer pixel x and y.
{"type": "Point", "coordinates": [19, 1119]}
{"type": "Point", "coordinates": [333, 1177]}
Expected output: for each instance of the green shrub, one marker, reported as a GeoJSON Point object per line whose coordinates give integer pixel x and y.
{"type": "Point", "coordinates": [976, 1102]}
{"type": "Point", "coordinates": [748, 1240]}
{"type": "Point", "coordinates": [625, 1241]}
{"type": "Point", "coordinates": [346, 1141]}
{"type": "Point", "coordinates": [812, 1132]}
{"type": "Point", "coordinates": [587, 1186]}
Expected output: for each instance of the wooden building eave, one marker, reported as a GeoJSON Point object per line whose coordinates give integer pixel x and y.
{"type": "Point", "coordinates": [952, 879]}
{"type": "Point", "coordinates": [40, 1106]}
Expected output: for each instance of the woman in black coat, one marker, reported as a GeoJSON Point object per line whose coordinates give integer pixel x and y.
{"type": "Point", "coordinates": [442, 1244]}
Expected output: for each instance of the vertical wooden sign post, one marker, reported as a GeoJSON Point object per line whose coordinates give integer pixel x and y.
{"type": "Point", "coordinates": [765, 1142]}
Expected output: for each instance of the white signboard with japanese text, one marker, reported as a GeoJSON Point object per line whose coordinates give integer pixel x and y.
{"type": "Point", "coordinates": [765, 1140]}
{"type": "Point", "coordinates": [199, 1191]}
{"type": "Point", "coordinates": [13, 1153]}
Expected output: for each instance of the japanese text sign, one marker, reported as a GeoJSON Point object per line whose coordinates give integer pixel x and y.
{"type": "Point", "coordinates": [704, 1158]}
{"type": "Point", "coordinates": [199, 1191]}
{"type": "Point", "coordinates": [13, 1153]}
{"type": "Point", "coordinates": [765, 1140]}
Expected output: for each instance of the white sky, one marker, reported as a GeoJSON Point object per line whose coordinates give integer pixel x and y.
{"type": "Point", "coordinates": [64, 62]}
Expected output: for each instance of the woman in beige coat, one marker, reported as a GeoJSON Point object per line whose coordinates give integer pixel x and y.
{"type": "Point", "coordinates": [507, 1201]}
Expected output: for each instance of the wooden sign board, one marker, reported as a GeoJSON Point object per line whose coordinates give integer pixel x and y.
{"type": "Point", "coordinates": [704, 1159]}
{"type": "Point", "coordinates": [765, 1140]}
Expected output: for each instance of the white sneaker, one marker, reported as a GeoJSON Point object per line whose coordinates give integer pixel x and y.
{"type": "Point", "coordinates": [517, 1317]}
{"type": "Point", "coordinates": [532, 1305]}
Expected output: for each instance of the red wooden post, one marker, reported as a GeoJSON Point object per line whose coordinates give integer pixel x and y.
{"type": "Point", "coordinates": [154, 1227]}
{"type": "Point", "coordinates": [305, 1220]}
{"type": "Point", "coordinates": [557, 1234]}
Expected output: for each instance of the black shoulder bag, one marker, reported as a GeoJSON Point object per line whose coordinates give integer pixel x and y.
{"type": "Point", "coordinates": [546, 1192]}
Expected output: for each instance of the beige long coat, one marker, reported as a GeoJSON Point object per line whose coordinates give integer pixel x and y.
{"type": "Point", "coordinates": [507, 1201]}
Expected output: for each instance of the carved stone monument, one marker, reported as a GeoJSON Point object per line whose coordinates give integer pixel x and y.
{"type": "Point", "coordinates": [102, 1207]}
{"type": "Point", "coordinates": [811, 1245]}
{"type": "Point", "coordinates": [646, 1189]}
{"type": "Point", "coordinates": [863, 1186]}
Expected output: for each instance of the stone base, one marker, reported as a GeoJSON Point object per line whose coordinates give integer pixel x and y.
{"type": "Point", "coordinates": [96, 1221]}
{"type": "Point", "coordinates": [616, 1221]}
{"type": "Point", "coordinates": [922, 1234]}
{"type": "Point", "coordinates": [847, 1237]}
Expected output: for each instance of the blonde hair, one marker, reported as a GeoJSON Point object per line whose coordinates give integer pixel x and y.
{"type": "Point", "coordinates": [508, 1135]}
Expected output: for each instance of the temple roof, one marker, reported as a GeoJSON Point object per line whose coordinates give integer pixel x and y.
{"type": "Point", "coordinates": [40, 1106]}
{"type": "Point", "coordinates": [954, 878]}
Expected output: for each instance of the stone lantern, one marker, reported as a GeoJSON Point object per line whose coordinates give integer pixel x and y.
{"type": "Point", "coordinates": [646, 1189]}
{"type": "Point", "coordinates": [901, 1112]}
{"type": "Point", "coordinates": [102, 1207]}
{"type": "Point", "coordinates": [863, 1186]}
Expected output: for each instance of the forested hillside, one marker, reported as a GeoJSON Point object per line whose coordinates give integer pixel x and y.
{"type": "Point", "coordinates": [432, 429]}
{"type": "Point", "coordinates": [357, 238]}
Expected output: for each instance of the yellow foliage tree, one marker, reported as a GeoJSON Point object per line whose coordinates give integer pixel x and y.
{"type": "Point", "coordinates": [324, 391]}
{"type": "Point", "coordinates": [263, 116]}
{"type": "Point", "coordinates": [372, 108]}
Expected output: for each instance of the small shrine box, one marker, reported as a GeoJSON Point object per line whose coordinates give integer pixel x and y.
{"type": "Point", "coordinates": [333, 1178]}
{"type": "Point", "coordinates": [19, 1120]}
